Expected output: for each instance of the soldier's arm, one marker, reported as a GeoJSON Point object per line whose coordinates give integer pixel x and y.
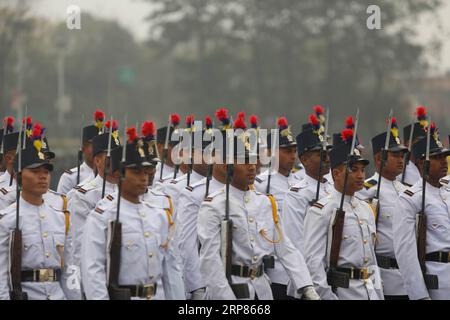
{"type": "Point", "coordinates": [211, 266]}
{"type": "Point", "coordinates": [405, 247]}
{"type": "Point", "coordinates": [64, 185]}
{"type": "Point", "coordinates": [79, 210]}
{"type": "Point", "coordinates": [316, 231]}
{"type": "Point", "coordinates": [4, 260]}
{"type": "Point", "coordinates": [294, 212]}
{"type": "Point", "coordinates": [187, 224]}
{"type": "Point", "coordinates": [93, 257]}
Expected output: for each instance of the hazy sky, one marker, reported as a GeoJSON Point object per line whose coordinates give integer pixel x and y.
{"type": "Point", "coordinates": [131, 14]}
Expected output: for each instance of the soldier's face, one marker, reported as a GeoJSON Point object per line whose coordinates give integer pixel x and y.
{"type": "Point", "coordinates": [151, 171]}
{"type": "Point", "coordinates": [394, 163]}
{"type": "Point", "coordinates": [136, 181]}
{"type": "Point", "coordinates": [311, 162]}
{"type": "Point", "coordinates": [287, 158]}
{"type": "Point", "coordinates": [36, 181]}
{"type": "Point", "coordinates": [355, 180]}
{"type": "Point", "coordinates": [244, 175]}
{"type": "Point", "coordinates": [438, 167]}
{"type": "Point", "coordinates": [87, 151]}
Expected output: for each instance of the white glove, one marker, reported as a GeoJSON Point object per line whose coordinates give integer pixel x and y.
{"type": "Point", "coordinates": [198, 294]}
{"type": "Point", "coordinates": [309, 293]}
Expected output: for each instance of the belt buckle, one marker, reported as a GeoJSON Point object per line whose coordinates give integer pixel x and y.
{"type": "Point", "coordinates": [365, 273]}
{"type": "Point", "coordinates": [148, 291]}
{"type": "Point", "coordinates": [45, 275]}
{"type": "Point", "coordinates": [253, 273]}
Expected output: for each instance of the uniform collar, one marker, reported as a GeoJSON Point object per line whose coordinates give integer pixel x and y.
{"type": "Point", "coordinates": [347, 199]}
{"type": "Point", "coordinates": [5, 178]}
{"type": "Point", "coordinates": [195, 177]}
{"type": "Point", "coordinates": [432, 189]}
{"type": "Point", "coordinates": [128, 204]}
{"type": "Point", "coordinates": [239, 193]}
{"type": "Point", "coordinates": [26, 205]}
{"type": "Point", "coordinates": [99, 183]}
{"type": "Point", "coordinates": [214, 183]}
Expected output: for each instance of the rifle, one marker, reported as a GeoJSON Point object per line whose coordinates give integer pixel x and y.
{"type": "Point", "coordinates": [270, 164]}
{"type": "Point", "coordinates": [165, 150]}
{"type": "Point", "coordinates": [431, 281]}
{"type": "Point", "coordinates": [80, 152]}
{"type": "Point", "coordinates": [189, 172]}
{"type": "Point", "coordinates": [108, 158]}
{"type": "Point", "coordinates": [334, 277]}
{"type": "Point", "coordinates": [407, 155]}
{"type": "Point", "coordinates": [16, 292]}
{"type": "Point", "coordinates": [323, 157]}
{"type": "Point", "coordinates": [210, 170]}
{"type": "Point", "coordinates": [384, 157]}
{"type": "Point", "coordinates": [115, 243]}
{"type": "Point", "coordinates": [226, 234]}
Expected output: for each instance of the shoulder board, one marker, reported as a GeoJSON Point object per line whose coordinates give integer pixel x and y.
{"type": "Point", "coordinates": [201, 182]}
{"type": "Point", "coordinates": [68, 171]}
{"type": "Point", "coordinates": [208, 199]}
{"type": "Point", "coordinates": [294, 189]}
{"type": "Point", "coordinates": [445, 181]}
{"type": "Point", "coordinates": [409, 193]}
{"type": "Point", "coordinates": [259, 180]}
{"type": "Point", "coordinates": [370, 183]}
{"type": "Point", "coordinates": [407, 184]}
{"type": "Point", "coordinates": [4, 191]}
{"type": "Point", "coordinates": [174, 182]}
{"type": "Point", "coordinates": [110, 197]}
{"type": "Point", "coordinates": [214, 194]}
{"type": "Point", "coordinates": [189, 188]}
{"type": "Point", "coordinates": [318, 205]}
{"type": "Point", "coordinates": [54, 192]}
{"type": "Point", "coordinates": [98, 210]}
{"type": "Point", "coordinates": [81, 190]}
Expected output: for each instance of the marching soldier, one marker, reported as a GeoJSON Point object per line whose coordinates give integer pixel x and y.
{"type": "Point", "coordinates": [142, 269]}
{"type": "Point", "coordinates": [190, 200]}
{"type": "Point", "coordinates": [84, 171]}
{"type": "Point", "coordinates": [387, 167]}
{"type": "Point", "coordinates": [314, 186]}
{"type": "Point", "coordinates": [411, 134]}
{"type": "Point", "coordinates": [424, 262]}
{"type": "Point", "coordinates": [9, 145]}
{"type": "Point", "coordinates": [86, 197]}
{"type": "Point", "coordinates": [277, 184]}
{"type": "Point", "coordinates": [38, 266]}
{"type": "Point", "coordinates": [237, 228]}
{"type": "Point", "coordinates": [340, 232]}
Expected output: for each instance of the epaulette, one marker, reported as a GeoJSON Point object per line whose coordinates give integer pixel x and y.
{"type": "Point", "coordinates": [174, 182]}
{"type": "Point", "coordinates": [259, 180]}
{"type": "Point", "coordinates": [294, 189]}
{"type": "Point", "coordinates": [370, 183]}
{"type": "Point", "coordinates": [208, 199]}
{"type": "Point", "coordinates": [444, 181]}
{"type": "Point", "coordinates": [407, 184]}
{"type": "Point", "coordinates": [110, 197]}
{"type": "Point", "coordinates": [98, 210]}
{"type": "Point", "coordinates": [4, 191]}
{"type": "Point", "coordinates": [68, 171]}
{"type": "Point", "coordinates": [81, 190]}
{"type": "Point", "coordinates": [409, 193]}
{"type": "Point", "coordinates": [318, 205]}
{"type": "Point", "coordinates": [211, 196]}
{"type": "Point", "coordinates": [189, 188]}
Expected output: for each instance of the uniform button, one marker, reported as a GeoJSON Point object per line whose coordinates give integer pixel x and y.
{"type": "Point", "coordinates": [150, 254]}
{"type": "Point", "coordinates": [47, 254]}
{"type": "Point", "coordinates": [45, 234]}
{"type": "Point", "coordinates": [360, 222]}
{"type": "Point", "coordinates": [247, 200]}
{"type": "Point", "coordinates": [365, 241]}
{"type": "Point", "coordinates": [255, 258]}
{"type": "Point", "coordinates": [251, 219]}
{"type": "Point", "coordinates": [252, 239]}
{"type": "Point", "coordinates": [147, 234]}
{"type": "Point", "coordinates": [366, 260]}
{"type": "Point", "coordinates": [42, 216]}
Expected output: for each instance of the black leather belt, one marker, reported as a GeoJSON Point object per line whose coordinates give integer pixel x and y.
{"type": "Point", "coordinates": [41, 275]}
{"type": "Point", "coordinates": [355, 273]}
{"type": "Point", "coordinates": [247, 272]}
{"type": "Point", "coordinates": [141, 291]}
{"type": "Point", "coordinates": [438, 256]}
{"type": "Point", "coordinates": [387, 262]}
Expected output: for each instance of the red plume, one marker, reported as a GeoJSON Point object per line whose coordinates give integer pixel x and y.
{"type": "Point", "coordinates": [99, 115]}
{"type": "Point", "coordinates": [132, 134]}
{"type": "Point", "coordinates": [241, 115]}
{"type": "Point", "coordinates": [282, 122]}
{"type": "Point", "coordinates": [37, 131]}
{"type": "Point", "coordinates": [318, 109]}
{"type": "Point", "coordinates": [148, 129]}
{"type": "Point", "coordinates": [175, 119]}
{"type": "Point", "coordinates": [349, 124]}
{"type": "Point", "coordinates": [114, 125]}
{"type": "Point", "coordinates": [239, 123]}
{"type": "Point", "coordinates": [29, 121]}
{"type": "Point", "coordinates": [222, 114]}
{"type": "Point", "coordinates": [253, 121]}
{"type": "Point", "coordinates": [347, 135]}
{"type": "Point", "coordinates": [190, 120]}
{"type": "Point", "coordinates": [313, 120]}
{"type": "Point", "coordinates": [208, 122]}
{"type": "Point", "coordinates": [421, 111]}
